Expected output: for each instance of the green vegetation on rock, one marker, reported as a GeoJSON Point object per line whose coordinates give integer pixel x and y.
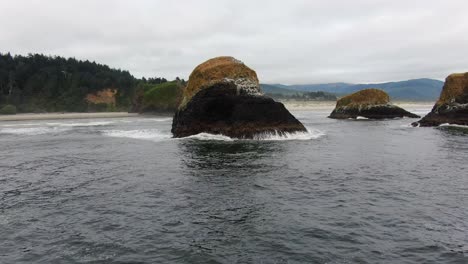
{"type": "Point", "coordinates": [163, 97]}
{"type": "Point", "coordinates": [8, 110]}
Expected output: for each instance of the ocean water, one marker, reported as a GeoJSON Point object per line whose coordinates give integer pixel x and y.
{"type": "Point", "coordinates": [123, 191]}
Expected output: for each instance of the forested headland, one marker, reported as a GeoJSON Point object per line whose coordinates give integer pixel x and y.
{"type": "Point", "coordinates": [40, 83]}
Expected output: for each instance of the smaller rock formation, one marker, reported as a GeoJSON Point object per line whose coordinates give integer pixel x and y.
{"type": "Point", "coordinates": [368, 103]}
{"type": "Point", "coordinates": [452, 106]}
{"type": "Point", "coordinates": [223, 96]}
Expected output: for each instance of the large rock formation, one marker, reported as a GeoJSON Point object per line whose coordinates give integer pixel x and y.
{"type": "Point", "coordinates": [223, 96]}
{"type": "Point", "coordinates": [368, 103]}
{"type": "Point", "coordinates": [452, 106]}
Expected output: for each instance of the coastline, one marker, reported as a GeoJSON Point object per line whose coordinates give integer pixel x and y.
{"type": "Point", "coordinates": [52, 116]}
{"type": "Point", "coordinates": [330, 105]}
{"type": "Point", "coordinates": [290, 105]}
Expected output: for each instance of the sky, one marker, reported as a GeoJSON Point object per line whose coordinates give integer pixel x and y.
{"type": "Point", "coordinates": [289, 42]}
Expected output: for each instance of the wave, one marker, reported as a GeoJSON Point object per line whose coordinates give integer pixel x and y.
{"type": "Point", "coordinates": [146, 134]}
{"type": "Point", "coordinates": [163, 119]}
{"type": "Point", "coordinates": [46, 128]}
{"type": "Point", "coordinates": [275, 136]}
{"type": "Point", "coordinates": [16, 125]}
{"type": "Point", "coordinates": [208, 136]}
{"type": "Point", "coordinates": [84, 124]}
{"type": "Point", "coordinates": [32, 131]}
{"type": "Point", "coordinates": [453, 125]}
{"type": "Point", "coordinates": [308, 135]}
{"type": "Point", "coordinates": [158, 135]}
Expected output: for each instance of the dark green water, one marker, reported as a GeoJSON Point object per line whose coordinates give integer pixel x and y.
{"type": "Point", "coordinates": [122, 191]}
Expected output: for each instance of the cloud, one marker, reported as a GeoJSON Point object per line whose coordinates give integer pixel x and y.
{"type": "Point", "coordinates": [284, 41]}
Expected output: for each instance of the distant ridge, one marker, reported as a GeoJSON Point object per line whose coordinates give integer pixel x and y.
{"type": "Point", "coordinates": [423, 89]}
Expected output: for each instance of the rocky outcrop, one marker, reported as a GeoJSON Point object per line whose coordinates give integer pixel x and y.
{"type": "Point", "coordinates": [103, 100]}
{"type": "Point", "coordinates": [368, 103]}
{"type": "Point", "coordinates": [223, 96]}
{"type": "Point", "coordinates": [452, 106]}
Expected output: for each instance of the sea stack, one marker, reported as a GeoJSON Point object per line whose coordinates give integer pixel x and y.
{"type": "Point", "coordinates": [368, 103]}
{"type": "Point", "coordinates": [452, 106]}
{"type": "Point", "coordinates": [223, 96]}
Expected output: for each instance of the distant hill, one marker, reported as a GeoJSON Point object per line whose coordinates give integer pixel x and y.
{"type": "Point", "coordinates": [280, 93]}
{"type": "Point", "coordinates": [416, 89]}
{"type": "Point", "coordinates": [274, 89]}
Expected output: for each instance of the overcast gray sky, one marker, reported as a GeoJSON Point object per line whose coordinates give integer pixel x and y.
{"type": "Point", "coordinates": [293, 42]}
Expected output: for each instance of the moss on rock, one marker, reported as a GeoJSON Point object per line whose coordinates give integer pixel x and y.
{"type": "Point", "coordinates": [455, 89]}
{"type": "Point", "coordinates": [364, 98]}
{"type": "Point", "coordinates": [216, 70]}
{"type": "Point", "coordinates": [452, 106]}
{"type": "Point", "coordinates": [369, 103]}
{"type": "Point", "coordinates": [223, 96]}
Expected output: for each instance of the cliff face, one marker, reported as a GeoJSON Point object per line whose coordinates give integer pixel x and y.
{"type": "Point", "coordinates": [106, 96]}
{"type": "Point", "coordinates": [223, 96]}
{"type": "Point", "coordinates": [452, 106]}
{"type": "Point", "coordinates": [103, 100]}
{"type": "Point", "coordinates": [455, 90]}
{"type": "Point", "coordinates": [369, 103]}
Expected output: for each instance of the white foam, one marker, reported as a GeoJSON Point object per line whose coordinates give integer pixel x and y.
{"type": "Point", "coordinates": [84, 124]}
{"type": "Point", "coordinates": [148, 119]}
{"type": "Point", "coordinates": [207, 136]}
{"type": "Point", "coordinates": [453, 125]}
{"type": "Point", "coordinates": [361, 117]}
{"type": "Point", "coordinates": [31, 131]}
{"type": "Point", "coordinates": [164, 119]}
{"type": "Point", "coordinates": [309, 135]}
{"type": "Point", "coordinates": [16, 125]}
{"type": "Point", "coordinates": [146, 134]}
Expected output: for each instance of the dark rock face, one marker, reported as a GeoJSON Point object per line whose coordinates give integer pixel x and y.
{"type": "Point", "coordinates": [368, 103]}
{"type": "Point", "coordinates": [452, 106]}
{"type": "Point", "coordinates": [223, 108]}
{"type": "Point", "coordinates": [372, 112]}
{"type": "Point", "coordinates": [439, 116]}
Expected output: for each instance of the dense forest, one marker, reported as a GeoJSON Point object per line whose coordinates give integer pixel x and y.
{"type": "Point", "coordinates": [39, 83]}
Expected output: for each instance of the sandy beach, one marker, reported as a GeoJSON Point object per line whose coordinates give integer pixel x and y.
{"type": "Point", "coordinates": [290, 105]}
{"type": "Point", "coordinates": [51, 116]}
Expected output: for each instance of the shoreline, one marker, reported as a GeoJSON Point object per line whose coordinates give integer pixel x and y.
{"type": "Point", "coordinates": [52, 116]}
{"type": "Point", "coordinates": [290, 105]}
{"type": "Point", "coordinates": [330, 105]}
